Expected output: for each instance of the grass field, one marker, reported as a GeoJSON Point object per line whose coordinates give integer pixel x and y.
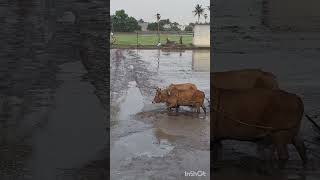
{"type": "Point", "coordinates": [130, 39]}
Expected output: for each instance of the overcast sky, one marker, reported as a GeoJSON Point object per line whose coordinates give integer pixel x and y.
{"type": "Point", "coordinates": [176, 10]}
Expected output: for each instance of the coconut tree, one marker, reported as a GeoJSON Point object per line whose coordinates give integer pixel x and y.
{"type": "Point", "coordinates": [198, 11]}
{"type": "Point", "coordinates": [158, 20]}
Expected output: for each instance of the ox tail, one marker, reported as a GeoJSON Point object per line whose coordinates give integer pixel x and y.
{"type": "Point", "coordinates": [313, 121]}
{"type": "Point", "coordinates": [208, 100]}
{"type": "Point", "coordinates": [204, 108]}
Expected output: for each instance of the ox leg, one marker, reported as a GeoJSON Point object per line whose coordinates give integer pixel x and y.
{"type": "Point", "coordinates": [299, 145]}
{"type": "Point", "coordinates": [265, 153]}
{"type": "Point", "coordinates": [170, 106]}
{"type": "Point", "coordinates": [177, 108]}
{"type": "Point", "coordinates": [283, 154]}
{"type": "Point", "coordinates": [198, 107]}
{"type": "Point", "coordinates": [264, 149]}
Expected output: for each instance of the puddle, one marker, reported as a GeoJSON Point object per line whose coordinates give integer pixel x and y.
{"type": "Point", "coordinates": [132, 103]}
{"type": "Point", "coordinates": [136, 145]}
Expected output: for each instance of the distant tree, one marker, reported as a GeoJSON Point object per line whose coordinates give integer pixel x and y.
{"type": "Point", "coordinates": [164, 25]}
{"type": "Point", "coordinates": [188, 28]}
{"type": "Point", "coordinates": [164, 22]}
{"type": "Point", "coordinates": [121, 22]}
{"type": "Point", "coordinates": [198, 11]}
{"type": "Point", "coordinates": [141, 21]}
{"type": "Point", "coordinates": [154, 27]}
{"type": "Point", "coordinates": [174, 27]}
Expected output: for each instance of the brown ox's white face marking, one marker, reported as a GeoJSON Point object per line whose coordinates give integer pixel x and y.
{"type": "Point", "coordinates": [160, 96]}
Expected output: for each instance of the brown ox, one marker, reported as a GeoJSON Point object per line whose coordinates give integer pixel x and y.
{"type": "Point", "coordinates": [272, 116]}
{"type": "Point", "coordinates": [184, 86]}
{"type": "Point", "coordinates": [244, 79]}
{"type": "Point", "coordinates": [180, 98]}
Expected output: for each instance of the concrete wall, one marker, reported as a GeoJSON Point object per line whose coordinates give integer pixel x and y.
{"type": "Point", "coordinates": [201, 36]}
{"type": "Point", "coordinates": [296, 14]}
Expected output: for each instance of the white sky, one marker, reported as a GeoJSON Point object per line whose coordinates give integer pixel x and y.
{"type": "Point", "coordinates": [176, 10]}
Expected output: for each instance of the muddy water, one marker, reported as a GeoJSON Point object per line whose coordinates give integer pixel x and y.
{"type": "Point", "coordinates": [147, 142]}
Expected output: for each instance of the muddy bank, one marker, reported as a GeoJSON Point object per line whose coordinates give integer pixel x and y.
{"type": "Point", "coordinates": [156, 47]}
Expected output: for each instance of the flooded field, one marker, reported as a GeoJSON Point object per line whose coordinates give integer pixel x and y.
{"type": "Point", "coordinates": [147, 141]}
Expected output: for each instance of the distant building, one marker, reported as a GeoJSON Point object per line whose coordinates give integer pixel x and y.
{"type": "Point", "coordinates": [144, 26]}
{"type": "Point", "coordinates": [201, 36]}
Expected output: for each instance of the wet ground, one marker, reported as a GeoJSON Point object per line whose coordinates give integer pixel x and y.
{"type": "Point", "coordinates": [147, 142]}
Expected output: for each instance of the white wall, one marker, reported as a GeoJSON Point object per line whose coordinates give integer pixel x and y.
{"type": "Point", "coordinates": [201, 35]}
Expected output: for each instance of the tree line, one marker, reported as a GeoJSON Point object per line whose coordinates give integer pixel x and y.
{"type": "Point", "coordinates": [122, 22]}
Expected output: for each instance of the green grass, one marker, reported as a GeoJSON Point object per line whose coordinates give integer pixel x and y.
{"type": "Point", "coordinates": [149, 39]}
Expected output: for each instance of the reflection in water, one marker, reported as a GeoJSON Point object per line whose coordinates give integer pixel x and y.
{"type": "Point", "coordinates": [133, 102]}
{"type": "Point", "coordinates": [201, 60]}
{"type": "Point", "coordinates": [163, 136]}
{"type": "Point", "coordinates": [136, 145]}
{"type": "Point", "coordinates": [158, 60]}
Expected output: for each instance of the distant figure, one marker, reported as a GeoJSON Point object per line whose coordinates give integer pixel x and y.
{"type": "Point", "coordinates": [181, 40]}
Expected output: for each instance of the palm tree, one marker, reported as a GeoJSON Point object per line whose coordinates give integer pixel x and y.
{"type": "Point", "coordinates": [205, 17]}
{"type": "Point", "coordinates": [158, 20]}
{"type": "Point", "coordinates": [198, 11]}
